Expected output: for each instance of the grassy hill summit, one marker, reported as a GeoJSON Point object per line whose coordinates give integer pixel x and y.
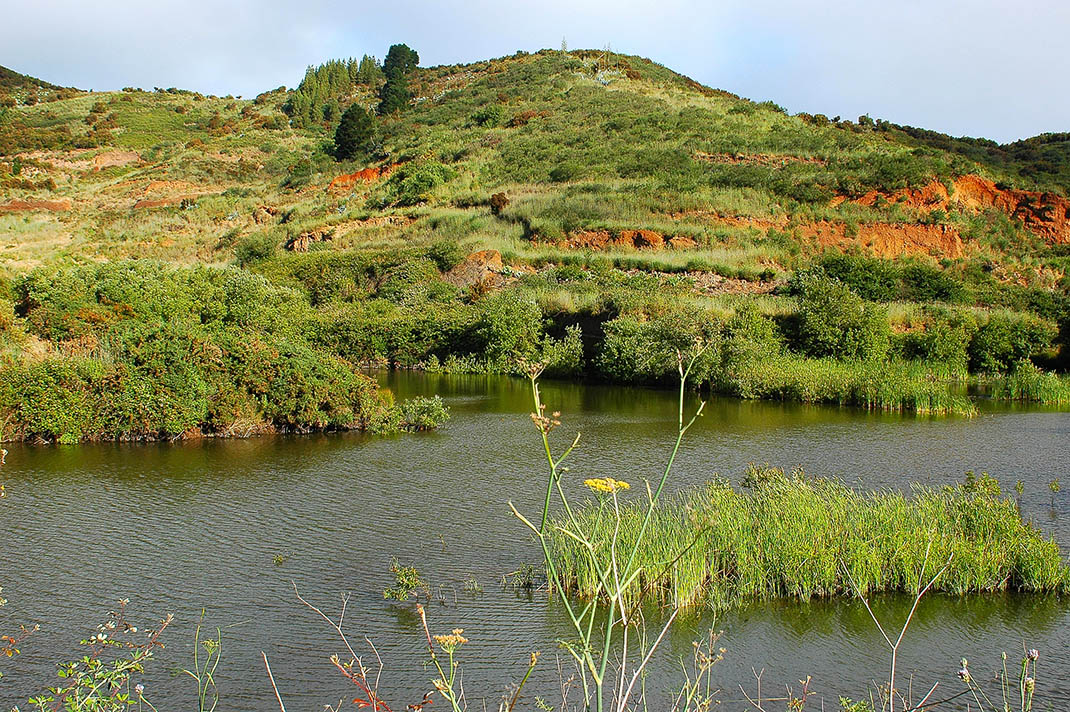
{"type": "Point", "coordinates": [590, 211]}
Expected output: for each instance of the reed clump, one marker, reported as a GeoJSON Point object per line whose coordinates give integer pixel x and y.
{"type": "Point", "coordinates": [787, 535]}
{"type": "Point", "coordinates": [1029, 383]}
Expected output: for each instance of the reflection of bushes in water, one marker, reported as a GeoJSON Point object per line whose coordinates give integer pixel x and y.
{"type": "Point", "coordinates": [790, 535]}
{"type": "Point", "coordinates": [888, 386]}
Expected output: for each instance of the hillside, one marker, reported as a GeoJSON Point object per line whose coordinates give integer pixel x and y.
{"type": "Point", "coordinates": [584, 209]}
{"type": "Point", "coordinates": [16, 89]}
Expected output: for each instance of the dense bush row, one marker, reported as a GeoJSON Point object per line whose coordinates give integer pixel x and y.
{"type": "Point", "coordinates": [140, 349]}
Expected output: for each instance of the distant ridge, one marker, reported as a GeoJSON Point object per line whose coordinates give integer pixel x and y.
{"type": "Point", "coordinates": [10, 81]}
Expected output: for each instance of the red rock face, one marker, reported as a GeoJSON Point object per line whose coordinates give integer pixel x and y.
{"type": "Point", "coordinates": [636, 239]}
{"type": "Point", "coordinates": [1044, 214]}
{"type": "Point", "coordinates": [368, 175]}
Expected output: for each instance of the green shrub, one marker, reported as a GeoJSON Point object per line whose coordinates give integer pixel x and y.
{"type": "Point", "coordinates": [406, 278]}
{"type": "Point", "coordinates": [412, 185]}
{"type": "Point", "coordinates": [836, 322]}
{"type": "Point", "coordinates": [565, 172]}
{"type": "Point", "coordinates": [255, 248]}
{"type": "Point", "coordinates": [871, 278]}
{"type": "Point", "coordinates": [563, 357]}
{"type": "Point", "coordinates": [638, 350]}
{"type": "Point", "coordinates": [509, 327]}
{"type": "Point", "coordinates": [489, 116]}
{"type": "Point", "coordinates": [446, 254]}
{"type": "Point", "coordinates": [1004, 340]}
{"type": "Point", "coordinates": [750, 336]}
{"type": "Point", "coordinates": [944, 339]}
{"type": "Point", "coordinates": [422, 413]}
{"type": "Point", "coordinates": [924, 283]}
{"type": "Point", "coordinates": [55, 399]}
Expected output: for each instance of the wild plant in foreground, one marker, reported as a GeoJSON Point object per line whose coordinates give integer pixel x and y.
{"type": "Point", "coordinates": [204, 673]}
{"type": "Point", "coordinates": [104, 679]}
{"type": "Point", "coordinates": [1018, 692]}
{"type": "Point", "coordinates": [366, 679]}
{"type": "Point", "coordinates": [920, 590]}
{"type": "Point", "coordinates": [614, 565]}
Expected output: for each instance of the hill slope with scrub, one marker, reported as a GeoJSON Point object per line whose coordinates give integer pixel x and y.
{"type": "Point", "coordinates": [590, 211]}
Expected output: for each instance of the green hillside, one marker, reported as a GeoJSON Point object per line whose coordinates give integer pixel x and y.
{"type": "Point", "coordinates": [586, 210]}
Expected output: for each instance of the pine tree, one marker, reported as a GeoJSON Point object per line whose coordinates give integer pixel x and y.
{"type": "Point", "coordinates": [395, 94]}
{"type": "Point", "coordinates": [354, 134]}
{"type": "Point", "coordinates": [368, 72]}
{"type": "Point", "coordinates": [400, 60]}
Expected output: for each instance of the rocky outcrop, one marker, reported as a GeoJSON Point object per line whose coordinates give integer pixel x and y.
{"type": "Point", "coordinates": [302, 242]}
{"type": "Point", "coordinates": [481, 268]}
{"type": "Point", "coordinates": [265, 214]}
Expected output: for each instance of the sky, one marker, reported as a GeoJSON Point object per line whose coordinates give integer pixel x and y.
{"type": "Point", "coordinates": [987, 68]}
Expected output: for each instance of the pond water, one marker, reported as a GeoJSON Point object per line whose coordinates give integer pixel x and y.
{"type": "Point", "coordinates": [197, 525]}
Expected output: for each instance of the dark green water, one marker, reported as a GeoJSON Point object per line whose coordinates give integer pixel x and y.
{"type": "Point", "coordinates": [178, 527]}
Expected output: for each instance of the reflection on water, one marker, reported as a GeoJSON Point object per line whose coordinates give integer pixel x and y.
{"type": "Point", "coordinates": [190, 525]}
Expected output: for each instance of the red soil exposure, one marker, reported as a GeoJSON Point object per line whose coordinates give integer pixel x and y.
{"type": "Point", "coordinates": [115, 158]}
{"type": "Point", "coordinates": [1044, 214]}
{"type": "Point", "coordinates": [636, 239]}
{"type": "Point", "coordinates": [881, 239]}
{"type": "Point", "coordinates": [368, 175]}
{"type": "Point", "coordinates": [14, 206]}
{"type": "Point", "coordinates": [892, 239]}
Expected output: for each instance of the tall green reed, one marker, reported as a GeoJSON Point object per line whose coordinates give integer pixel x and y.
{"type": "Point", "coordinates": [787, 535]}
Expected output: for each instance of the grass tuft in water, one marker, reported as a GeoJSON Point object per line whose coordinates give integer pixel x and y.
{"type": "Point", "coordinates": [792, 536]}
{"type": "Point", "coordinates": [1029, 383]}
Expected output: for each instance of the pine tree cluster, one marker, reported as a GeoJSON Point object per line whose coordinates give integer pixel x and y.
{"type": "Point", "coordinates": [316, 99]}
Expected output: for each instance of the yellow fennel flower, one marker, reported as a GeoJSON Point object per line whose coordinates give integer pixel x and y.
{"type": "Point", "coordinates": [451, 642]}
{"type": "Point", "coordinates": [606, 485]}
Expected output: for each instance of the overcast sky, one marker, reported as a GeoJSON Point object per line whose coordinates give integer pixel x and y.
{"type": "Point", "coordinates": [967, 67]}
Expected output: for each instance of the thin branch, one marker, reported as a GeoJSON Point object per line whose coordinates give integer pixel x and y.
{"type": "Point", "coordinates": [271, 677]}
